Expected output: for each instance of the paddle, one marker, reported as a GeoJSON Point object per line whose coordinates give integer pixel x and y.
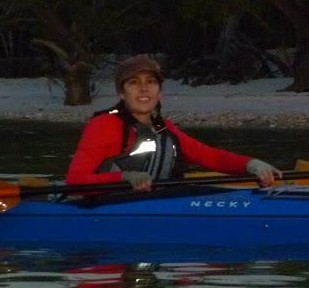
{"type": "Point", "coordinates": [302, 165]}
{"type": "Point", "coordinates": [11, 194]}
{"type": "Point", "coordinates": [46, 187]}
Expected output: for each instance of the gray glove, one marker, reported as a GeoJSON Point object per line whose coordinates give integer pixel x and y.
{"type": "Point", "coordinates": [264, 171]}
{"type": "Point", "coordinates": [136, 179]}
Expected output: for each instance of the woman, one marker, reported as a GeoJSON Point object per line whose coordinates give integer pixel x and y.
{"type": "Point", "coordinates": [132, 142]}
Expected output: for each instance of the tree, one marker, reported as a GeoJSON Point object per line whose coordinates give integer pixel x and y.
{"type": "Point", "coordinates": [65, 40]}
{"type": "Point", "coordinates": [76, 32]}
{"type": "Point", "coordinates": [238, 54]}
{"type": "Point", "coordinates": [12, 37]}
{"type": "Point", "coordinates": [297, 12]}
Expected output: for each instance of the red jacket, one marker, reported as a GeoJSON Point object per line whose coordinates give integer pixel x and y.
{"type": "Point", "coordinates": [102, 139]}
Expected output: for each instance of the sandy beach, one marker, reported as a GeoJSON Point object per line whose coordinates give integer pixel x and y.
{"type": "Point", "coordinates": [256, 103]}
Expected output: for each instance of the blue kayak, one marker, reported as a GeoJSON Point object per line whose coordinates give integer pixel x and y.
{"type": "Point", "coordinates": [201, 215]}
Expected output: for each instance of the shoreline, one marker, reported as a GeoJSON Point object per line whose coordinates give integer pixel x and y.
{"type": "Point", "coordinates": [254, 104]}
{"type": "Point", "coordinates": [223, 120]}
{"type": "Point", "coordinates": [246, 121]}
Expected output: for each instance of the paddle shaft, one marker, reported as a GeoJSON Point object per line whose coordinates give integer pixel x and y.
{"type": "Point", "coordinates": [121, 188]}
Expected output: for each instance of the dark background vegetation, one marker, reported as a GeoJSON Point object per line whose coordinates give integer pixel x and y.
{"type": "Point", "coordinates": [197, 41]}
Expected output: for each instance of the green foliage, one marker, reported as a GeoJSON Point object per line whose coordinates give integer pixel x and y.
{"type": "Point", "coordinates": [61, 53]}
{"type": "Point", "coordinates": [216, 11]}
{"type": "Point", "coordinates": [75, 32]}
{"type": "Point", "coordinates": [212, 14]}
{"type": "Point", "coordinates": [212, 10]}
{"type": "Point", "coordinates": [94, 25]}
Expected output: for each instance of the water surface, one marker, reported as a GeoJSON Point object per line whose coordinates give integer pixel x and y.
{"type": "Point", "coordinates": [46, 148]}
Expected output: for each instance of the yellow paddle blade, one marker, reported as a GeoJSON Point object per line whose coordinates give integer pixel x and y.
{"type": "Point", "coordinates": [253, 184]}
{"type": "Point", "coordinates": [304, 182]}
{"type": "Point", "coordinates": [202, 174]}
{"type": "Point", "coordinates": [302, 165]}
{"type": "Point", "coordinates": [33, 182]}
{"type": "Point", "coordinates": [8, 203]}
{"type": "Point", "coordinates": [8, 189]}
{"type": "Point", "coordinates": [9, 195]}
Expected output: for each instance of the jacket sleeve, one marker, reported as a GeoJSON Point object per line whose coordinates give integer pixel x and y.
{"type": "Point", "coordinates": [100, 140]}
{"type": "Point", "coordinates": [214, 159]}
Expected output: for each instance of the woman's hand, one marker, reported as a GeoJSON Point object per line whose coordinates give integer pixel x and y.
{"type": "Point", "coordinates": [264, 171]}
{"type": "Point", "coordinates": [141, 181]}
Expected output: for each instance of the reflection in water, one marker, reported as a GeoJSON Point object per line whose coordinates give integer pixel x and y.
{"type": "Point", "coordinates": [160, 275]}
{"type": "Point", "coordinates": [51, 268]}
{"type": "Point", "coordinates": [140, 275]}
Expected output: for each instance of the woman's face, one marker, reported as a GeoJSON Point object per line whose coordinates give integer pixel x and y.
{"type": "Point", "coordinates": [141, 94]}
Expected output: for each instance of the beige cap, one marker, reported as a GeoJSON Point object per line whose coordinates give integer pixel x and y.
{"type": "Point", "coordinates": [134, 65]}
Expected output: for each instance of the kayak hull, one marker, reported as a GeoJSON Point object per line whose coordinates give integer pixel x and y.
{"type": "Point", "coordinates": [227, 218]}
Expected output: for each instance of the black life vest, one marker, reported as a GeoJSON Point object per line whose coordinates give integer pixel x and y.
{"type": "Point", "coordinates": [156, 150]}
